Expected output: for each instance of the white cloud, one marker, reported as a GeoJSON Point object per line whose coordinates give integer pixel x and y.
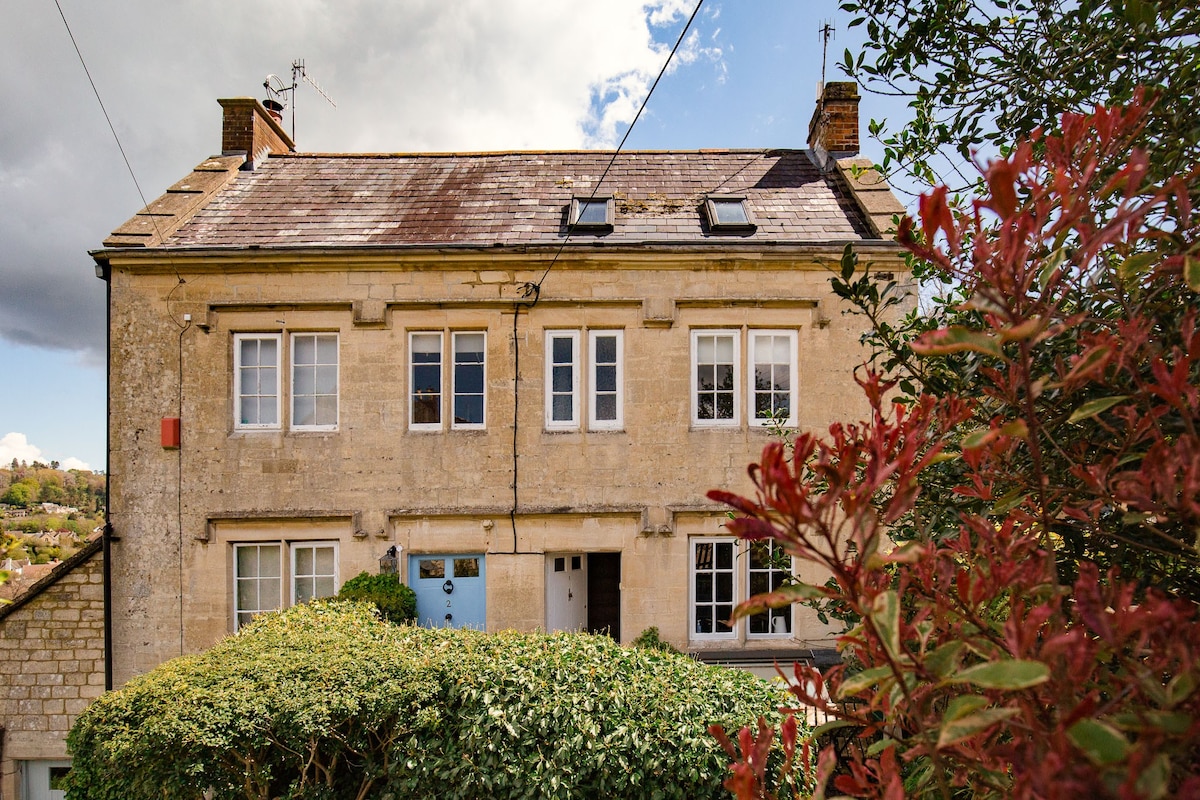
{"type": "Point", "coordinates": [17, 445]}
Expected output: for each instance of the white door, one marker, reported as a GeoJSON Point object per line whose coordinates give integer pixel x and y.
{"type": "Point", "coordinates": [43, 779]}
{"type": "Point", "coordinates": [566, 592]}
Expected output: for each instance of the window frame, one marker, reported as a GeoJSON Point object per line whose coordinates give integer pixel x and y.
{"type": "Point", "coordinates": [752, 390]}
{"type": "Point", "coordinates": [742, 565]}
{"type": "Point", "coordinates": [772, 614]}
{"type": "Point", "coordinates": [579, 204]}
{"type": "Point", "coordinates": [693, 602]}
{"type": "Point", "coordinates": [293, 549]}
{"type": "Point", "coordinates": [572, 424]}
{"type": "Point", "coordinates": [694, 400]}
{"type": "Point", "coordinates": [618, 423]}
{"type": "Point", "coordinates": [294, 336]}
{"type": "Point", "coordinates": [715, 224]}
{"type": "Point", "coordinates": [441, 392]}
{"type": "Point", "coordinates": [236, 605]}
{"type": "Point", "coordinates": [286, 553]}
{"type": "Point", "coordinates": [454, 379]}
{"type": "Point", "coordinates": [239, 395]}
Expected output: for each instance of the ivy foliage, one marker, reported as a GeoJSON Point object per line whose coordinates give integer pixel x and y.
{"type": "Point", "coordinates": [327, 701]}
{"type": "Point", "coordinates": [985, 73]}
{"type": "Point", "coordinates": [395, 601]}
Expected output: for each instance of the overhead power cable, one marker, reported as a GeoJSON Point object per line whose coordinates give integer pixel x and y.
{"type": "Point", "coordinates": [112, 128]}
{"type": "Point", "coordinates": [535, 289]}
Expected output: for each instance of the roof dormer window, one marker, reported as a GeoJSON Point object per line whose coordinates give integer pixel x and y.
{"type": "Point", "coordinates": [727, 213]}
{"type": "Point", "coordinates": [591, 213]}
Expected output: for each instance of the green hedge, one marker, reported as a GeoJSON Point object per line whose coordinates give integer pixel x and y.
{"type": "Point", "coordinates": [326, 701]}
{"type": "Point", "coordinates": [395, 601]}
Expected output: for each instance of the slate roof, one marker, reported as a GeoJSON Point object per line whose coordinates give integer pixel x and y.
{"type": "Point", "coordinates": [508, 198]}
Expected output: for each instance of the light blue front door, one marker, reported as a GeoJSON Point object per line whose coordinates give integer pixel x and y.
{"type": "Point", "coordinates": [450, 590]}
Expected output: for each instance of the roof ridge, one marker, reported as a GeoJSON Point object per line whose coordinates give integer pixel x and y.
{"type": "Point", "coordinates": [485, 153]}
{"type": "Point", "coordinates": [89, 549]}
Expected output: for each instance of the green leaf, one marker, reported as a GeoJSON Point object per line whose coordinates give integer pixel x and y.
{"type": "Point", "coordinates": [1011, 673]}
{"type": "Point", "coordinates": [1007, 503]}
{"type": "Point", "coordinates": [1098, 406]}
{"type": "Point", "coordinates": [1191, 272]}
{"type": "Point", "coordinates": [862, 681]}
{"type": "Point", "coordinates": [944, 659]}
{"type": "Point", "coordinates": [955, 731]}
{"type": "Point", "coordinates": [1136, 264]}
{"type": "Point", "coordinates": [832, 725]}
{"type": "Point", "coordinates": [849, 260]}
{"type": "Point", "coordinates": [964, 705]}
{"type": "Point", "coordinates": [885, 615]}
{"type": "Point", "coordinates": [956, 339]}
{"type": "Point", "coordinates": [1099, 741]}
{"type": "Point", "coordinates": [1155, 778]}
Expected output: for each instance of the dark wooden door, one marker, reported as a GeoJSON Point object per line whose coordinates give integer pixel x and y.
{"type": "Point", "coordinates": [604, 594]}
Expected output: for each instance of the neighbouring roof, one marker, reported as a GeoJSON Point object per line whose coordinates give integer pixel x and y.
{"type": "Point", "coordinates": [40, 577]}
{"type": "Point", "coordinates": [505, 198]}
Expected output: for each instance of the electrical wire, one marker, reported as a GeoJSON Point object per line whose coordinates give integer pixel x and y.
{"type": "Point", "coordinates": [535, 289]}
{"type": "Point", "coordinates": [124, 157]}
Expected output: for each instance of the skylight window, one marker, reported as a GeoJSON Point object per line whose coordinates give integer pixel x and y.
{"type": "Point", "coordinates": [728, 214]}
{"type": "Point", "coordinates": [592, 213]}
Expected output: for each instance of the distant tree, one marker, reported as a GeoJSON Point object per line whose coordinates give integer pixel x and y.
{"type": "Point", "coordinates": [23, 493]}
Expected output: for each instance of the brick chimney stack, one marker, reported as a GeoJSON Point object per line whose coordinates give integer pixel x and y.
{"type": "Point", "coordinates": [250, 129]}
{"type": "Point", "coordinates": [834, 124]}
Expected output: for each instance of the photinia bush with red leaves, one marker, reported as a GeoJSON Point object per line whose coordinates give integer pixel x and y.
{"type": "Point", "coordinates": [1015, 526]}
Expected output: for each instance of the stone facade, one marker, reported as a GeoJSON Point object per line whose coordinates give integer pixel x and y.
{"type": "Point", "coordinates": [513, 502]}
{"type": "Point", "coordinates": [52, 659]}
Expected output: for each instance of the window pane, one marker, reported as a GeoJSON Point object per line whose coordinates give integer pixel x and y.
{"type": "Point", "coordinates": [704, 587]}
{"type": "Point", "coordinates": [724, 348]}
{"type": "Point", "coordinates": [724, 614]}
{"type": "Point", "coordinates": [326, 379]}
{"type": "Point", "coordinates": [306, 350]}
{"type": "Point", "coordinates": [561, 347]}
{"type": "Point", "coordinates": [466, 567]}
{"type": "Point", "coordinates": [325, 587]}
{"type": "Point", "coordinates": [432, 568]}
{"type": "Point", "coordinates": [724, 587]}
{"type": "Point", "coordinates": [305, 380]}
{"type": "Point", "coordinates": [324, 557]}
{"type": "Point", "coordinates": [468, 410]}
{"type": "Point", "coordinates": [606, 407]}
{"type": "Point", "coordinates": [606, 349]}
{"type": "Point", "coordinates": [304, 561]}
{"type": "Point", "coordinates": [304, 589]}
{"type": "Point", "coordinates": [562, 380]}
{"type": "Point", "coordinates": [593, 212]}
{"type": "Point", "coordinates": [725, 555]}
{"type": "Point", "coordinates": [730, 212]}
{"type": "Point", "coordinates": [326, 413]}
{"type": "Point", "coordinates": [304, 411]}
{"type": "Point", "coordinates": [561, 408]}
{"type": "Point", "coordinates": [268, 562]}
{"type": "Point", "coordinates": [606, 379]}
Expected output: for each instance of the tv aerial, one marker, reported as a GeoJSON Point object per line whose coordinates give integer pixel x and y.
{"type": "Point", "coordinates": [281, 96]}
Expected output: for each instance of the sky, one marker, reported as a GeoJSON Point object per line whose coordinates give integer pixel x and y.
{"type": "Point", "coordinates": [405, 75]}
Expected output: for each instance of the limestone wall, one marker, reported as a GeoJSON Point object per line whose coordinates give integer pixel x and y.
{"type": "Point", "coordinates": [52, 662]}
{"type": "Point", "coordinates": [374, 482]}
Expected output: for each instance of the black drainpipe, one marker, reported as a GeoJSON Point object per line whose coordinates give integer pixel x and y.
{"type": "Point", "coordinates": [104, 273]}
